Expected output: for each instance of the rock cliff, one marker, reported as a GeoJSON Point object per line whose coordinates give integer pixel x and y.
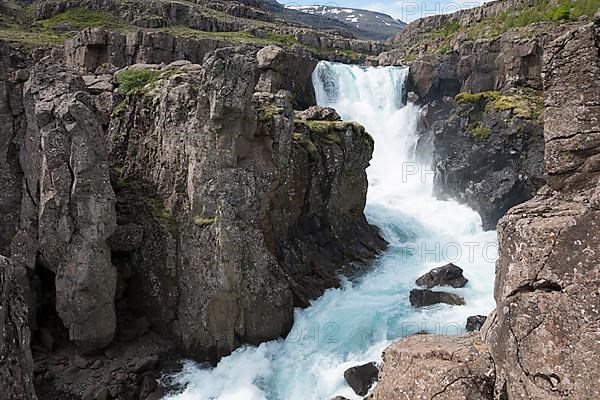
{"type": "Point", "coordinates": [541, 336]}
{"type": "Point", "coordinates": [163, 188]}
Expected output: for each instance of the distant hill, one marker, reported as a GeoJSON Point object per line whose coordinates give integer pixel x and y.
{"type": "Point", "coordinates": [362, 24]}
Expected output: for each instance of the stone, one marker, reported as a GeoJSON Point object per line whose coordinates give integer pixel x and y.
{"type": "Point", "coordinates": [361, 377]}
{"type": "Point", "coordinates": [144, 364]}
{"type": "Point", "coordinates": [412, 97]}
{"type": "Point", "coordinates": [46, 339]}
{"type": "Point", "coordinates": [16, 369]}
{"type": "Point", "coordinates": [319, 113]}
{"type": "Point", "coordinates": [475, 322]}
{"type": "Point", "coordinates": [79, 362]}
{"type": "Point", "coordinates": [422, 367]}
{"type": "Point", "coordinates": [22, 75]}
{"type": "Point", "coordinates": [106, 68]}
{"type": "Point", "coordinates": [126, 238]}
{"type": "Point", "coordinates": [447, 275]}
{"type": "Point", "coordinates": [426, 297]}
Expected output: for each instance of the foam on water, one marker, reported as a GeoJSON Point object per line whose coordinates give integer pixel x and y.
{"type": "Point", "coordinates": [354, 323]}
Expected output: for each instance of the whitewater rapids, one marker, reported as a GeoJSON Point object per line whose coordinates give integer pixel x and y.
{"type": "Point", "coordinates": [353, 324]}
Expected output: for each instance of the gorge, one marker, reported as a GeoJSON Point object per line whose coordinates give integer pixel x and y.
{"type": "Point", "coordinates": [209, 199]}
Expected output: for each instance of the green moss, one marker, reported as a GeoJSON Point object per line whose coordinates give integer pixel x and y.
{"type": "Point", "coordinates": [464, 97]}
{"type": "Point", "coordinates": [120, 108]}
{"type": "Point", "coordinates": [136, 80]}
{"type": "Point", "coordinates": [527, 105]}
{"type": "Point", "coordinates": [479, 132]}
{"type": "Point", "coordinates": [81, 18]}
{"type": "Point", "coordinates": [268, 111]}
{"type": "Point", "coordinates": [201, 221]}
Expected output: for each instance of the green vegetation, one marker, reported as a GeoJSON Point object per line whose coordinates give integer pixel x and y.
{"type": "Point", "coordinates": [536, 17]}
{"type": "Point", "coordinates": [119, 108]}
{"type": "Point", "coordinates": [268, 111]}
{"type": "Point", "coordinates": [479, 132]}
{"type": "Point", "coordinates": [524, 103]}
{"type": "Point", "coordinates": [201, 221]}
{"type": "Point", "coordinates": [80, 18]}
{"type": "Point", "coordinates": [135, 80]}
{"type": "Point", "coordinates": [19, 27]}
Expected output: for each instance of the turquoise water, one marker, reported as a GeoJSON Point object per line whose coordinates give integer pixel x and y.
{"type": "Point", "coordinates": [354, 323]}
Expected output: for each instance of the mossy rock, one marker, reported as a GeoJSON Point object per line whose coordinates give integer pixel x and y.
{"type": "Point", "coordinates": [203, 221]}
{"type": "Point", "coordinates": [136, 80]}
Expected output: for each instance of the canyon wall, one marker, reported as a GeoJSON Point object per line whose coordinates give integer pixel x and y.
{"type": "Point", "coordinates": [540, 341]}
{"type": "Point", "coordinates": [200, 206]}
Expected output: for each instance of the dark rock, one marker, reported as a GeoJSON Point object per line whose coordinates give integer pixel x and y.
{"type": "Point", "coordinates": [475, 322]}
{"type": "Point", "coordinates": [426, 297]}
{"type": "Point", "coordinates": [144, 364]}
{"type": "Point", "coordinates": [447, 275]}
{"type": "Point", "coordinates": [361, 377]}
{"type": "Point", "coordinates": [79, 362]}
{"type": "Point", "coordinates": [158, 394]}
{"type": "Point", "coordinates": [46, 339]}
{"type": "Point", "coordinates": [16, 368]}
{"type": "Point", "coordinates": [126, 238]}
{"type": "Point", "coordinates": [22, 75]}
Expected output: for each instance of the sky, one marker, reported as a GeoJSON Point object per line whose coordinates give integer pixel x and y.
{"type": "Point", "coordinates": [405, 10]}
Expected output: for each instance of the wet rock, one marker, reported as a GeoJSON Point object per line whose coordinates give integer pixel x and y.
{"type": "Point", "coordinates": [361, 377]}
{"type": "Point", "coordinates": [475, 322]}
{"type": "Point", "coordinates": [426, 297]}
{"type": "Point", "coordinates": [447, 275]}
{"type": "Point", "coordinates": [46, 339]}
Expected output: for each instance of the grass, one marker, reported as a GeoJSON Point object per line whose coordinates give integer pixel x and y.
{"type": "Point", "coordinates": [81, 18]}
{"type": "Point", "coordinates": [135, 80]}
{"type": "Point", "coordinates": [19, 27]}
{"type": "Point", "coordinates": [536, 17]}
{"type": "Point", "coordinates": [479, 132]}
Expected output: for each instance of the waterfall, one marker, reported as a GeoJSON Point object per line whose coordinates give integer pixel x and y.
{"type": "Point", "coordinates": [354, 323]}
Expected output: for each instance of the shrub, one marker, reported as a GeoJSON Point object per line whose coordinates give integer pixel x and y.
{"type": "Point", "coordinates": [135, 79]}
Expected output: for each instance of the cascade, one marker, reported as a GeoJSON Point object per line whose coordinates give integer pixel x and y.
{"type": "Point", "coordinates": [354, 323]}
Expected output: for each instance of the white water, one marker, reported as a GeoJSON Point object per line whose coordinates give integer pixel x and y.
{"type": "Point", "coordinates": [355, 323]}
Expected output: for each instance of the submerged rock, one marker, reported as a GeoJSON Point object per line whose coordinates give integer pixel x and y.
{"type": "Point", "coordinates": [447, 275]}
{"type": "Point", "coordinates": [361, 377]}
{"type": "Point", "coordinates": [475, 322]}
{"type": "Point", "coordinates": [426, 297]}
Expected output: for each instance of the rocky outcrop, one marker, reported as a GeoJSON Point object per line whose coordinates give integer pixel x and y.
{"type": "Point", "coordinates": [424, 367]}
{"type": "Point", "coordinates": [543, 333]}
{"type": "Point", "coordinates": [475, 322]}
{"type": "Point", "coordinates": [446, 275]}
{"type": "Point", "coordinates": [250, 213]}
{"type": "Point", "coordinates": [16, 363]}
{"type": "Point", "coordinates": [488, 153]}
{"type": "Point", "coordinates": [68, 211]}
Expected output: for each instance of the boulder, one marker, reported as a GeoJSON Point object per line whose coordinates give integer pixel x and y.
{"type": "Point", "coordinates": [319, 113]}
{"type": "Point", "coordinates": [424, 367]}
{"type": "Point", "coordinates": [426, 297]}
{"type": "Point", "coordinates": [361, 377]}
{"type": "Point", "coordinates": [447, 275]}
{"type": "Point", "coordinates": [475, 322]}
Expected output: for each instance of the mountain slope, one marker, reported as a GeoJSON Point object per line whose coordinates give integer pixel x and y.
{"type": "Point", "coordinates": [363, 23]}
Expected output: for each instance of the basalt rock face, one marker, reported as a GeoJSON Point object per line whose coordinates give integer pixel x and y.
{"type": "Point", "coordinates": [16, 368]}
{"type": "Point", "coordinates": [543, 333]}
{"type": "Point", "coordinates": [68, 212]}
{"type": "Point", "coordinates": [248, 220]}
{"type": "Point", "coordinates": [541, 340]}
{"type": "Point", "coordinates": [490, 159]}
